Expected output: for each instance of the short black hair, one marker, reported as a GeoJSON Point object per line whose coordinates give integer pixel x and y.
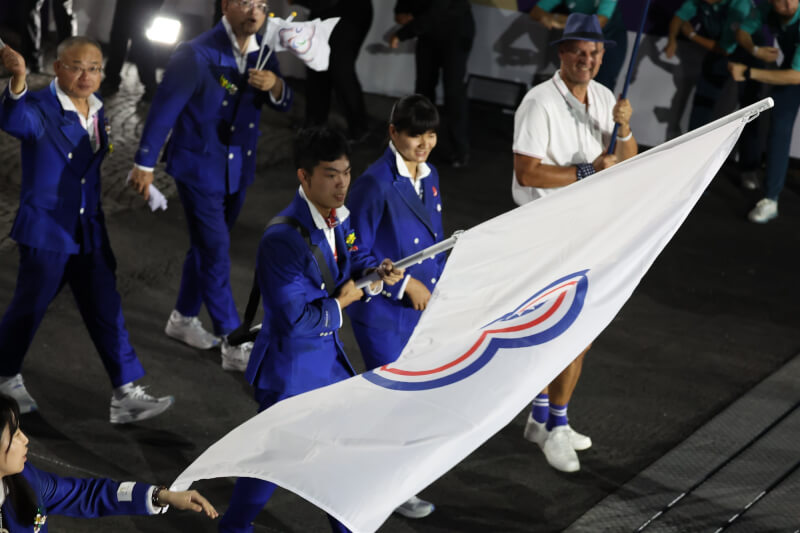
{"type": "Point", "coordinates": [320, 143]}
{"type": "Point", "coordinates": [76, 40]}
{"type": "Point", "coordinates": [414, 115]}
{"type": "Point", "coordinates": [20, 493]}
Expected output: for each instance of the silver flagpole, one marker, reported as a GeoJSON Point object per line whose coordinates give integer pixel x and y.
{"type": "Point", "coordinates": [263, 40]}
{"type": "Point", "coordinates": [259, 65]}
{"type": "Point", "coordinates": [418, 257]}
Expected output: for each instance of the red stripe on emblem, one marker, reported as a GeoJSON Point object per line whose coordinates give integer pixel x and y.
{"type": "Point", "coordinates": [475, 346]}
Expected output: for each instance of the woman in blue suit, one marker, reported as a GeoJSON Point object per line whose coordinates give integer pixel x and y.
{"type": "Point", "coordinates": [396, 211]}
{"type": "Point", "coordinates": [28, 494]}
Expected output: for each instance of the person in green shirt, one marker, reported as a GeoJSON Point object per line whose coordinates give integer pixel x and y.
{"type": "Point", "coordinates": [610, 17]}
{"type": "Point", "coordinates": [782, 17]}
{"type": "Point", "coordinates": [714, 29]}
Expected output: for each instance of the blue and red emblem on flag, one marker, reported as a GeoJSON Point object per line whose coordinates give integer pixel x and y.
{"type": "Point", "coordinates": [539, 319]}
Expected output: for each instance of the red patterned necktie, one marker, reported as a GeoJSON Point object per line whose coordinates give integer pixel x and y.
{"type": "Point", "coordinates": [331, 219]}
{"type": "Point", "coordinates": [332, 223]}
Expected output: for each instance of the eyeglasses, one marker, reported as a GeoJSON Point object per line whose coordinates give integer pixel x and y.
{"type": "Point", "coordinates": [91, 71]}
{"type": "Point", "coordinates": [247, 5]}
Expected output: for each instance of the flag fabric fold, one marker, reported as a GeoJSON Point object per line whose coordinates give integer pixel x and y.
{"type": "Point", "coordinates": [308, 40]}
{"type": "Point", "coordinates": [522, 294]}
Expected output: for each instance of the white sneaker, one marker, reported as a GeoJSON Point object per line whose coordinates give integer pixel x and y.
{"type": "Point", "coordinates": [579, 441]}
{"type": "Point", "coordinates": [537, 433]}
{"type": "Point", "coordinates": [415, 508]}
{"type": "Point", "coordinates": [559, 452]}
{"type": "Point", "coordinates": [764, 211]}
{"type": "Point", "coordinates": [750, 180]}
{"type": "Point", "coordinates": [137, 405]}
{"type": "Point", "coordinates": [15, 387]}
{"type": "Point", "coordinates": [189, 330]}
{"type": "Point", "coordinates": [236, 357]}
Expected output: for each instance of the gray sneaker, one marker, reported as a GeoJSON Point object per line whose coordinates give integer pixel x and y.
{"type": "Point", "coordinates": [137, 405]}
{"type": "Point", "coordinates": [236, 356]}
{"type": "Point", "coordinates": [415, 508]}
{"type": "Point", "coordinates": [189, 330]}
{"type": "Point", "coordinates": [15, 387]}
{"type": "Point", "coordinates": [764, 211]}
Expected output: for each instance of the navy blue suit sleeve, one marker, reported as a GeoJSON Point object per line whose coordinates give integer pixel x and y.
{"type": "Point", "coordinates": [19, 119]}
{"type": "Point", "coordinates": [282, 277]}
{"type": "Point", "coordinates": [285, 102]}
{"type": "Point", "coordinates": [181, 79]}
{"type": "Point", "coordinates": [90, 498]}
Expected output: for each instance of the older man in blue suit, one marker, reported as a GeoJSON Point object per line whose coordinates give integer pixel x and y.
{"type": "Point", "coordinates": [304, 272]}
{"type": "Point", "coordinates": [60, 227]}
{"type": "Point", "coordinates": [211, 98]}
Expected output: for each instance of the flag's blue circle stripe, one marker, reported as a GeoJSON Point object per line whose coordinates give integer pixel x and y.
{"type": "Point", "coordinates": [495, 344]}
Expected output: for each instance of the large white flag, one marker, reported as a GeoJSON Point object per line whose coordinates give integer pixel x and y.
{"type": "Point", "coordinates": [307, 40]}
{"type": "Point", "coordinates": [521, 296]}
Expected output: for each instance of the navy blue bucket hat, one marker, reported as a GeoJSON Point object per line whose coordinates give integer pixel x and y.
{"type": "Point", "coordinates": [581, 27]}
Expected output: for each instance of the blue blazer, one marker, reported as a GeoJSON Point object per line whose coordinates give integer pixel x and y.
{"type": "Point", "coordinates": [391, 221]}
{"type": "Point", "coordinates": [60, 191]}
{"type": "Point", "coordinates": [214, 132]}
{"type": "Point", "coordinates": [298, 348]}
{"type": "Point", "coordinates": [81, 498]}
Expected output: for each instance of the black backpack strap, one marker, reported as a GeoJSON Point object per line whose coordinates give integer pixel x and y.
{"type": "Point", "coordinates": [327, 277]}
{"type": "Point", "coordinates": [242, 333]}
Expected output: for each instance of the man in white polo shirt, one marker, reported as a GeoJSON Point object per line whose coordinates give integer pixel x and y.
{"type": "Point", "coordinates": [562, 131]}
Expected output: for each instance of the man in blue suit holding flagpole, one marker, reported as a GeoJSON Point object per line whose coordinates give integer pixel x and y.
{"type": "Point", "coordinates": [305, 274]}
{"type": "Point", "coordinates": [60, 228]}
{"type": "Point", "coordinates": [211, 98]}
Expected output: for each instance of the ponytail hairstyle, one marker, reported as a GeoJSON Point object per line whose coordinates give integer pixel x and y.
{"type": "Point", "coordinates": [414, 115]}
{"type": "Point", "coordinates": [20, 493]}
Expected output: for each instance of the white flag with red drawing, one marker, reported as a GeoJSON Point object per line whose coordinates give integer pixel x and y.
{"type": "Point", "coordinates": [521, 296]}
{"type": "Point", "coordinates": [307, 40]}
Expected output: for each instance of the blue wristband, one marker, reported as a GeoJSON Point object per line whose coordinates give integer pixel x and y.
{"type": "Point", "coordinates": [584, 170]}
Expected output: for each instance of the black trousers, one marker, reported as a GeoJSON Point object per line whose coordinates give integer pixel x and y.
{"type": "Point", "coordinates": [709, 90]}
{"type": "Point", "coordinates": [31, 11]}
{"type": "Point", "coordinates": [131, 20]}
{"type": "Point", "coordinates": [448, 53]}
{"type": "Point", "coordinates": [346, 41]}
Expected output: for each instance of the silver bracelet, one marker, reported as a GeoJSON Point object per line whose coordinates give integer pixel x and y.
{"type": "Point", "coordinates": [628, 137]}
{"type": "Point", "coordinates": [692, 34]}
{"type": "Point", "coordinates": [755, 50]}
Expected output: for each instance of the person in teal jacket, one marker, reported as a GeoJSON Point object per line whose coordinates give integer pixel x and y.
{"type": "Point", "coordinates": [782, 17]}
{"type": "Point", "coordinates": [714, 29]}
{"type": "Point", "coordinates": [610, 17]}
